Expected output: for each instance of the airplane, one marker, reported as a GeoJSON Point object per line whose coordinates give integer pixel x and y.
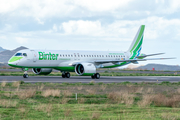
{"type": "Point", "coordinates": [83, 63]}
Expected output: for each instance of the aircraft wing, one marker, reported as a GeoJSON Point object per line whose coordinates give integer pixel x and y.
{"type": "Point", "coordinates": [129, 60]}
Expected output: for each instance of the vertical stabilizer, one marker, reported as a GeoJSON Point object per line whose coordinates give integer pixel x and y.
{"type": "Point", "coordinates": [135, 48]}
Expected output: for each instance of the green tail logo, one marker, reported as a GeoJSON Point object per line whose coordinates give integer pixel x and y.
{"type": "Point", "coordinates": [136, 46]}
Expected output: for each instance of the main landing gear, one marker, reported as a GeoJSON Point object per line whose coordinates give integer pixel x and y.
{"type": "Point", "coordinates": [66, 75]}
{"type": "Point", "coordinates": [95, 76]}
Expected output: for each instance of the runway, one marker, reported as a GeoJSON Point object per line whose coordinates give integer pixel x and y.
{"type": "Point", "coordinates": [87, 79]}
{"type": "Point", "coordinates": [102, 71]}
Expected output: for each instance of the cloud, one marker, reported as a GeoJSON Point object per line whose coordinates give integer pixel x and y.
{"type": "Point", "coordinates": [41, 10]}
{"type": "Point", "coordinates": [81, 27]}
{"type": "Point", "coordinates": [102, 5]}
{"type": "Point", "coordinates": [39, 21]}
{"type": "Point", "coordinates": [55, 28]}
{"type": "Point", "coordinates": [21, 40]}
{"type": "Point", "coordinates": [167, 6]}
{"type": "Point", "coordinates": [156, 27]}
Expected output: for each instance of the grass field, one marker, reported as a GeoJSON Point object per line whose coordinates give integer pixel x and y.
{"type": "Point", "coordinates": [111, 101]}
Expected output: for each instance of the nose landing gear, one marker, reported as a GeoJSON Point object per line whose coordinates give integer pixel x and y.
{"type": "Point", "coordinates": [25, 73]}
{"type": "Point", "coordinates": [25, 76]}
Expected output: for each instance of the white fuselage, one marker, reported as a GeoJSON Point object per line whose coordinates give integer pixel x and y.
{"type": "Point", "coordinates": [60, 58]}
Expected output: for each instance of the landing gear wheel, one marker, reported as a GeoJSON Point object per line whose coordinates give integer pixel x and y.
{"type": "Point", "coordinates": [25, 76]}
{"type": "Point", "coordinates": [93, 76]}
{"type": "Point", "coordinates": [97, 75]}
{"type": "Point", "coordinates": [67, 75]}
{"type": "Point", "coordinates": [63, 75]}
{"type": "Point", "coordinates": [25, 73]}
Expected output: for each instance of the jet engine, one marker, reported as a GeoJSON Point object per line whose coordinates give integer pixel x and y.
{"type": "Point", "coordinates": [85, 69]}
{"type": "Point", "coordinates": [42, 71]}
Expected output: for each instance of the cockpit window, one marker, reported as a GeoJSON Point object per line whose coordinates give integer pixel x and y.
{"type": "Point", "coordinates": [24, 54]}
{"type": "Point", "coordinates": [18, 54]}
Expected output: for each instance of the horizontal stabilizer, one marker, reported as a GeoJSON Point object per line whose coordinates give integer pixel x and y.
{"type": "Point", "coordinates": [143, 56]}
{"type": "Point", "coordinates": [129, 60]}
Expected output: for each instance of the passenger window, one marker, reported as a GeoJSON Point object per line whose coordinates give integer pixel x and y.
{"type": "Point", "coordinates": [18, 54]}
{"type": "Point", "coordinates": [97, 55]}
{"type": "Point", "coordinates": [94, 55]}
{"type": "Point", "coordinates": [24, 54]}
{"type": "Point", "coordinates": [84, 55]}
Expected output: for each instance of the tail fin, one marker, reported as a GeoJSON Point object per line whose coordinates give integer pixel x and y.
{"type": "Point", "coordinates": [135, 48]}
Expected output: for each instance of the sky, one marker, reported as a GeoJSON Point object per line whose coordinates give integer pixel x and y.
{"type": "Point", "coordinates": [105, 25]}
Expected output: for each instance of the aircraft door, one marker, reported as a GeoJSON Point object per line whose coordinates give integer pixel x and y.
{"type": "Point", "coordinates": [75, 57]}
{"type": "Point", "coordinates": [34, 56]}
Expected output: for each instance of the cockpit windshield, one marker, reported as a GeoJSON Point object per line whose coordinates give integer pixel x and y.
{"type": "Point", "coordinates": [18, 54]}
{"type": "Point", "coordinates": [24, 54]}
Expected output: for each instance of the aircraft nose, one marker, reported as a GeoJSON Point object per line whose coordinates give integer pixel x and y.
{"type": "Point", "coordinates": [12, 64]}
{"type": "Point", "coordinates": [14, 60]}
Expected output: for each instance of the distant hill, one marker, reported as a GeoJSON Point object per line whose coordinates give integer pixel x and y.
{"type": "Point", "coordinates": [1, 49]}
{"type": "Point", "coordinates": [7, 54]}
{"type": "Point", "coordinates": [160, 67]}
{"type": "Point", "coordinates": [132, 66]}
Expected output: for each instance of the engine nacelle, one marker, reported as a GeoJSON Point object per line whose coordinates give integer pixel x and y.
{"type": "Point", "coordinates": [85, 69]}
{"type": "Point", "coordinates": [42, 71]}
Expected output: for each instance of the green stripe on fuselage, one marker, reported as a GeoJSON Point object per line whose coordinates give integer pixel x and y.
{"type": "Point", "coordinates": [15, 58]}
{"type": "Point", "coordinates": [64, 68]}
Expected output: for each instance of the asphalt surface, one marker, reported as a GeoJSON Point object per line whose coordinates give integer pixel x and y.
{"type": "Point", "coordinates": [87, 79]}
{"type": "Point", "coordinates": [101, 71]}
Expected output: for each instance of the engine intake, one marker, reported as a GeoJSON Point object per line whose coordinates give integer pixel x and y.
{"type": "Point", "coordinates": [42, 71]}
{"type": "Point", "coordinates": [85, 69]}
